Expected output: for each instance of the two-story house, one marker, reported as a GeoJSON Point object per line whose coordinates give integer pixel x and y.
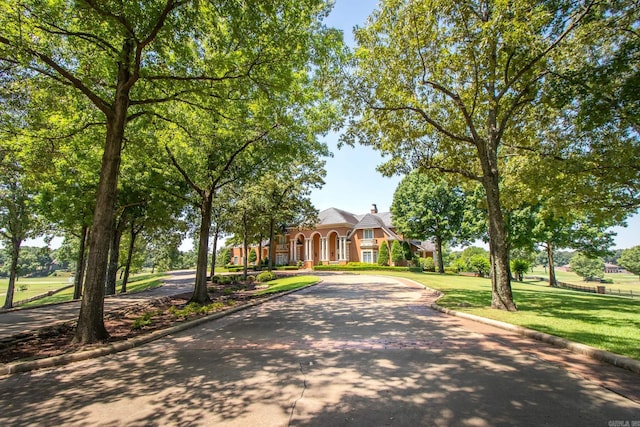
{"type": "Point", "coordinates": [338, 237]}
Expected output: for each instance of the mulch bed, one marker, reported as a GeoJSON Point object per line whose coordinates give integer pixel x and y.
{"type": "Point", "coordinates": [57, 339]}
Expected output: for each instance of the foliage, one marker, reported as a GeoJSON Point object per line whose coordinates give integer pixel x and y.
{"type": "Point", "coordinates": [383, 254]}
{"type": "Point", "coordinates": [253, 256]}
{"type": "Point", "coordinates": [479, 264]}
{"type": "Point", "coordinates": [224, 257]}
{"type": "Point", "coordinates": [425, 208]}
{"type": "Point", "coordinates": [630, 260]}
{"type": "Point", "coordinates": [586, 267]}
{"type": "Point", "coordinates": [427, 264]}
{"type": "Point", "coordinates": [361, 266]}
{"type": "Point", "coordinates": [266, 276]}
{"type": "Point", "coordinates": [397, 254]}
{"type": "Point", "coordinates": [519, 267]}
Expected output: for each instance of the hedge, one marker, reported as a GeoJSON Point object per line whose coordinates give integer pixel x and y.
{"type": "Point", "coordinates": [364, 267]}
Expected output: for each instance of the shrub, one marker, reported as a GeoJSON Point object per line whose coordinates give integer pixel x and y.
{"type": "Point", "coordinates": [251, 279]}
{"type": "Point", "coordinates": [397, 255]}
{"type": "Point", "coordinates": [479, 264]}
{"type": "Point", "coordinates": [361, 266]}
{"type": "Point", "coordinates": [253, 256]}
{"type": "Point", "coordinates": [265, 276]}
{"type": "Point", "coordinates": [519, 267]}
{"type": "Point", "coordinates": [427, 264]}
{"type": "Point", "coordinates": [383, 255]}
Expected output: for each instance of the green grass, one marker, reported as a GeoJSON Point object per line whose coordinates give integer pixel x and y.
{"type": "Point", "coordinates": [605, 322]}
{"type": "Point", "coordinates": [625, 282]}
{"type": "Point", "coordinates": [137, 283]}
{"type": "Point", "coordinates": [287, 284]}
{"type": "Point", "coordinates": [35, 286]}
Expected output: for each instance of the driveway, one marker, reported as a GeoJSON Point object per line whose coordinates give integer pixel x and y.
{"type": "Point", "coordinates": [354, 350]}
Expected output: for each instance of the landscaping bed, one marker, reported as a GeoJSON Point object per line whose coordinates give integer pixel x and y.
{"type": "Point", "coordinates": [138, 319]}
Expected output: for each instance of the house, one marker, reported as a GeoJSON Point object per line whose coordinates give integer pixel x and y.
{"type": "Point", "coordinates": [338, 237]}
{"type": "Point", "coordinates": [612, 268]}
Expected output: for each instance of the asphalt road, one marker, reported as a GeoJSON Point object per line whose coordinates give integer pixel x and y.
{"type": "Point", "coordinates": [353, 351]}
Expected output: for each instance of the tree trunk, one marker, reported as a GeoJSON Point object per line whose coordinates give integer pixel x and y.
{"type": "Point", "coordinates": [439, 252]}
{"type": "Point", "coordinates": [13, 273]}
{"type": "Point", "coordinates": [200, 294]}
{"type": "Point", "coordinates": [552, 267]}
{"type": "Point", "coordinates": [501, 295]}
{"type": "Point", "coordinates": [245, 245]}
{"type": "Point", "coordinates": [259, 254]}
{"type": "Point", "coordinates": [79, 276]}
{"type": "Point", "coordinates": [127, 267]}
{"type": "Point", "coordinates": [114, 259]}
{"type": "Point", "coordinates": [91, 327]}
{"type": "Point", "coordinates": [214, 255]}
{"type": "Point", "coordinates": [272, 244]}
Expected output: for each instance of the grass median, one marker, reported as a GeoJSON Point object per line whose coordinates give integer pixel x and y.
{"type": "Point", "coordinates": [288, 284]}
{"type": "Point", "coordinates": [605, 322]}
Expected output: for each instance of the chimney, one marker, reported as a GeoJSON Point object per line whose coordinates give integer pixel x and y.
{"type": "Point", "coordinates": [374, 209]}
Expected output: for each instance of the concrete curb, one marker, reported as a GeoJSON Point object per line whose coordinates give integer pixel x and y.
{"type": "Point", "coordinates": [592, 352]}
{"type": "Point", "coordinates": [65, 359]}
{"type": "Point", "coordinates": [601, 355]}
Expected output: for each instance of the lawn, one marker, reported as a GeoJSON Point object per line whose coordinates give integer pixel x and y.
{"type": "Point", "coordinates": [137, 283]}
{"type": "Point", "coordinates": [606, 322]}
{"type": "Point", "coordinates": [624, 282]}
{"type": "Point", "coordinates": [34, 286]}
{"type": "Point", "coordinates": [288, 284]}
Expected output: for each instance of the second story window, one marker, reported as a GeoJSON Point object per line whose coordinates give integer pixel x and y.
{"type": "Point", "coordinates": [368, 233]}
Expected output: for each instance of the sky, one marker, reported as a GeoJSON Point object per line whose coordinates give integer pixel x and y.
{"type": "Point", "coordinates": [352, 182]}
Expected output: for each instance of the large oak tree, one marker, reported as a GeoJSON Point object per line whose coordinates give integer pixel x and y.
{"type": "Point", "coordinates": [441, 85]}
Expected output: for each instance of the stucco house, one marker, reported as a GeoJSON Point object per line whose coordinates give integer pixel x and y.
{"type": "Point", "coordinates": [338, 237]}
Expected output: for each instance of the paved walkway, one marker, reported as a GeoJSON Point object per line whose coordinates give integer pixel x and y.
{"type": "Point", "coordinates": [354, 350]}
{"type": "Point", "coordinates": [31, 319]}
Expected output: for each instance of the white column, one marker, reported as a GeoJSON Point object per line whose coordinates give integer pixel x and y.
{"type": "Point", "coordinates": [323, 249]}
{"type": "Point", "coordinates": [346, 250]}
{"type": "Point", "coordinates": [292, 250]}
{"type": "Point", "coordinates": [341, 249]}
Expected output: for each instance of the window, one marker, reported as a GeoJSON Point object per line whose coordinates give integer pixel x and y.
{"type": "Point", "coordinates": [235, 260]}
{"type": "Point", "coordinates": [368, 233]}
{"type": "Point", "coordinates": [370, 257]}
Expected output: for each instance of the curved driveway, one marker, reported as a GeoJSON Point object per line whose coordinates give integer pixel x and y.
{"type": "Point", "coordinates": [354, 350]}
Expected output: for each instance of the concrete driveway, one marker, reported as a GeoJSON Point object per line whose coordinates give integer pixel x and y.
{"type": "Point", "coordinates": [353, 351]}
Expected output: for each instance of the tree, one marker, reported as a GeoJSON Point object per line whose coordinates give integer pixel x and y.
{"type": "Point", "coordinates": [587, 267]}
{"type": "Point", "coordinates": [479, 264]}
{"type": "Point", "coordinates": [18, 216]}
{"type": "Point", "coordinates": [424, 208]}
{"type": "Point", "coordinates": [441, 85]}
{"type": "Point", "coordinates": [253, 256]}
{"type": "Point", "coordinates": [630, 259]}
{"type": "Point", "coordinates": [397, 254]}
{"type": "Point", "coordinates": [103, 52]}
{"type": "Point", "coordinates": [126, 60]}
{"type": "Point", "coordinates": [519, 267]}
{"type": "Point", "coordinates": [383, 254]}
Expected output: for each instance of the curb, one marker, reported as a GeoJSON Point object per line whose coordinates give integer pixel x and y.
{"type": "Point", "coordinates": [614, 359]}
{"type": "Point", "coordinates": [601, 355]}
{"type": "Point", "coordinates": [65, 359]}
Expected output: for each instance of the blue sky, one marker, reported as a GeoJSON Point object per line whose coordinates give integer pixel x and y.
{"type": "Point", "coordinates": [352, 182]}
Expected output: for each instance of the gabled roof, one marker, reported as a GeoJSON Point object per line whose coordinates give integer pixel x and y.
{"type": "Point", "coordinates": [374, 221]}
{"type": "Point", "coordinates": [336, 216]}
